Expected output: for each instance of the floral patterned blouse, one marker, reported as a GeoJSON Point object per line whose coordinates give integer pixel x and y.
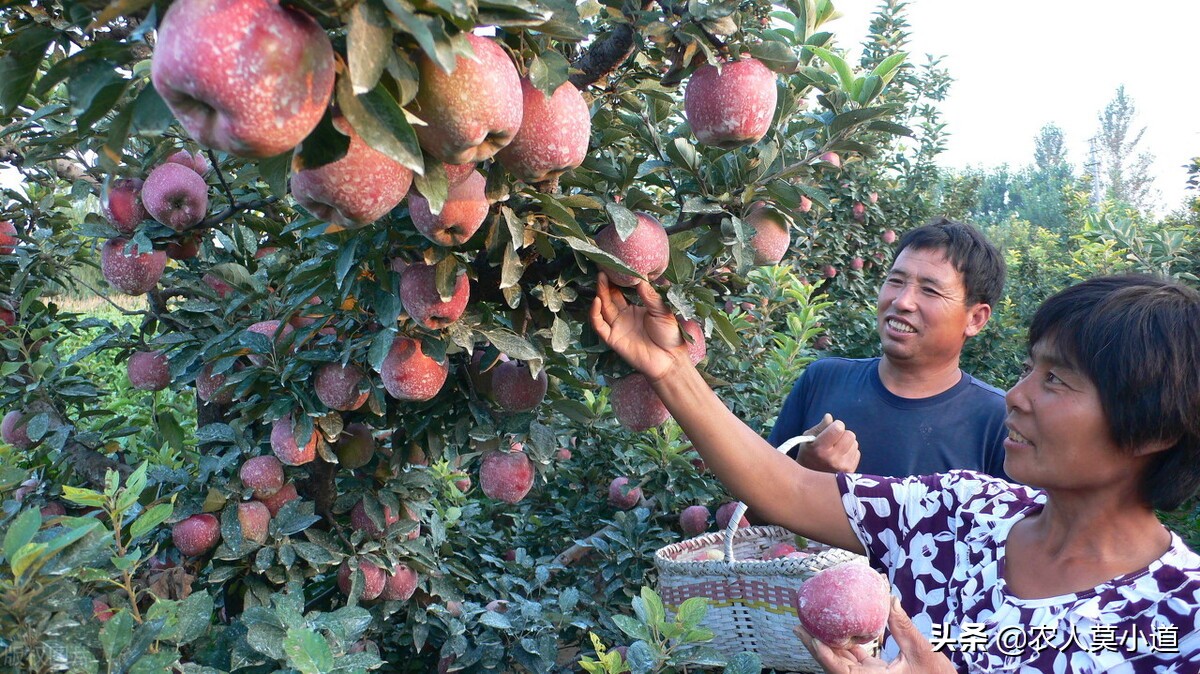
{"type": "Point", "coordinates": [940, 539]}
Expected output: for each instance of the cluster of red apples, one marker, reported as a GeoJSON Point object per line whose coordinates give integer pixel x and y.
{"type": "Point", "coordinates": [536, 137]}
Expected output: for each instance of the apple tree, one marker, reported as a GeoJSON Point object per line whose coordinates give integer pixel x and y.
{"type": "Point", "coordinates": [367, 237]}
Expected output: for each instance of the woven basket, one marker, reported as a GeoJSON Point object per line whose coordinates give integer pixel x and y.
{"type": "Point", "coordinates": [750, 600]}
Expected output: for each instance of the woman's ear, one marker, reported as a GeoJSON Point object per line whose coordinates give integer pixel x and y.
{"type": "Point", "coordinates": [1155, 446]}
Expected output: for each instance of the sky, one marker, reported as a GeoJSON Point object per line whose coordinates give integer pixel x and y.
{"type": "Point", "coordinates": [1020, 64]}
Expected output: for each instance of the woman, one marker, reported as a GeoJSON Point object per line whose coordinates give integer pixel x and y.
{"type": "Point", "coordinates": [1072, 573]}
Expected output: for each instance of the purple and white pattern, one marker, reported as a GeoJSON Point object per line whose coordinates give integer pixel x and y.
{"type": "Point", "coordinates": [940, 539]}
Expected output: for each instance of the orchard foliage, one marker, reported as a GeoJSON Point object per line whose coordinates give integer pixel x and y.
{"type": "Point", "coordinates": [267, 290]}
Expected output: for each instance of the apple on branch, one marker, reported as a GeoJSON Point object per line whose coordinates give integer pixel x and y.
{"type": "Point", "coordinates": [732, 104]}
{"type": "Point", "coordinates": [248, 77]}
{"type": "Point", "coordinates": [355, 190]}
{"type": "Point", "coordinates": [473, 111]}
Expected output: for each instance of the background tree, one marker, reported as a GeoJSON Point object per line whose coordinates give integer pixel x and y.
{"type": "Point", "coordinates": [1119, 171]}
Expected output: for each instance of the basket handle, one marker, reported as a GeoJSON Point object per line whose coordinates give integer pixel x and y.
{"type": "Point", "coordinates": [731, 528]}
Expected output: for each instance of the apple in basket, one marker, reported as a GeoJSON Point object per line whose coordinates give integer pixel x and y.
{"type": "Point", "coordinates": [844, 605]}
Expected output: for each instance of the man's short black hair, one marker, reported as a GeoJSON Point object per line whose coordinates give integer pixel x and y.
{"type": "Point", "coordinates": [1137, 338]}
{"type": "Point", "coordinates": [981, 265]}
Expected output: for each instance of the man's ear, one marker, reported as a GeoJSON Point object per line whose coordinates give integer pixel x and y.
{"type": "Point", "coordinates": [977, 317]}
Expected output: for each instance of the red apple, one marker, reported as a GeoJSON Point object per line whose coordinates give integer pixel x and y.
{"type": "Point", "coordinates": [176, 196]}
{"type": "Point", "coordinates": [420, 297]}
{"type": "Point", "coordinates": [636, 405]}
{"type": "Point", "coordinates": [255, 519]}
{"type": "Point", "coordinates": [196, 535]}
{"type": "Point", "coordinates": [730, 106]}
{"type": "Point", "coordinates": [621, 495]}
{"type": "Point", "coordinates": [101, 610]}
{"type": "Point", "coordinates": [805, 204]}
{"type": "Point", "coordinates": [553, 137]}
{"type": "Point", "coordinates": [779, 550]}
{"type": "Point", "coordinates": [465, 210]}
{"type": "Point", "coordinates": [829, 271]}
{"type": "Point", "coordinates": [280, 498]}
{"type": "Point", "coordinates": [186, 248]}
{"type": "Point", "coordinates": [249, 77]}
{"type": "Point", "coordinates": [856, 263]}
{"type": "Point", "coordinates": [408, 374]}
{"type": "Point", "coordinates": [148, 370]}
{"type": "Point", "coordinates": [506, 476]}
{"type": "Point", "coordinates": [207, 385]}
{"type": "Point", "coordinates": [218, 284]}
{"type": "Point", "coordinates": [473, 111]}
{"type": "Point", "coordinates": [697, 348]}
{"type": "Point", "coordinates": [873, 197]}
{"type": "Point", "coordinates": [121, 204]}
{"type": "Point", "coordinates": [859, 211]}
{"type": "Point", "coordinates": [8, 237]}
{"type": "Point", "coordinates": [285, 445]}
{"type": "Point", "coordinates": [355, 190]}
{"type": "Point", "coordinates": [646, 251]}
{"type": "Point", "coordinates": [515, 389]}
{"type": "Point", "coordinates": [197, 162]}
{"type": "Point", "coordinates": [263, 475]}
{"type": "Point", "coordinates": [132, 273]}
{"type": "Point", "coordinates": [400, 584]}
{"type": "Point", "coordinates": [844, 605]}
{"type": "Point", "coordinates": [771, 236]}
{"type": "Point", "coordinates": [274, 331]}
{"type": "Point", "coordinates": [694, 520]}
{"type": "Point", "coordinates": [373, 579]}
{"type": "Point", "coordinates": [341, 387]}
{"type": "Point", "coordinates": [725, 513]}
{"type": "Point", "coordinates": [889, 236]}
{"type": "Point", "coordinates": [456, 173]}
{"type": "Point", "coordinates": [832, 159]}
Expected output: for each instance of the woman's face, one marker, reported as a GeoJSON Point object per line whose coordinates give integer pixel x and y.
{"type": "Point", "coordinates": [1058, 435]}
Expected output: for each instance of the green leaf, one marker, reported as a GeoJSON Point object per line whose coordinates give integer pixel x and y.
{"type": "Point", "coordinates": [307, 651]}
{"type": "Point", "coordinates": [325, 145]}
{"type": "Point", "coordinates": [632, 628]}
{"type": "Point", "coordinates": [776, 55]}
{"type": "Point", "coordinates": [845, 75]}
{"type": "Point", "coordinates": [513, 13]}
{"type": "Point", "coordinates": [274, 171]}
{"type": "Point", "coordinates": [93, 90]}
{"type": "Point", "coordinates": [887, 68]}
{"type": "Point", "coordinates": [21, 532]}
{"type": "Point", "coordinates": [116, 634]}
{"type": "Point", "coordinates": [692, 611]}
{"type": "Point", "coordinates": [622, 218]}
{"type": "Point", "coordinates": [655, 610]}
{"type": "Point", "coordinates": [82, 496]}
{"type": "Point", "coordinates": [512, 344]}
{"type": "Point", "coordinates": [855, 117]}
{"type": "Point", "coordinates": [433, 185]}
{"type": "Point", "coordinates": [888, 127]}
{"type": "Point", "coordinates": [194, 617]}
{"type": "Point", "coordinates": [548, 71]}
{"type": "Point", "coordinates": [381, 123]}
{"type": "Point", "coordinates": [147, 521]}
{"type": "Point", "coordinates": [145, 635]}
{"type": "Point", "coordinates": [19, 66]}
{"type": "Point", "coordinates": [170, 429]}
{"type": "Point", "coordinates": [347, 256]}
{"type": "Point", "coordinates": [25, 557]}
{"type": "Point", "coordinates": [683, 154]}
{"type": "Point", "coordinates": [368, 44]}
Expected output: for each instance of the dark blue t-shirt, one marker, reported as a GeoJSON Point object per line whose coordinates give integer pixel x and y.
{"type": "Point", "coordinates": [959, 428]}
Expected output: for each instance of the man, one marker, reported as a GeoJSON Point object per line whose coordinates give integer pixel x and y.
{"type": "Point", "coordinates": [911, 411]}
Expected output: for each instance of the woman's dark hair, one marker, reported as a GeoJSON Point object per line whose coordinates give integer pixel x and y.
{"type": "Point", "coordinates": [1137, 338]}
{"type": "Point", "coordinates": [981, 265]}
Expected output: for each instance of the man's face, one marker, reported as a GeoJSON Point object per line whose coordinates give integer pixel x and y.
{"type": "Point", "coordinates": [922, 316]}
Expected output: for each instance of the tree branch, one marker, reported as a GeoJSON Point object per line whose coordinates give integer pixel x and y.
{"type": "Point", "coordinates": [603, 57]}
